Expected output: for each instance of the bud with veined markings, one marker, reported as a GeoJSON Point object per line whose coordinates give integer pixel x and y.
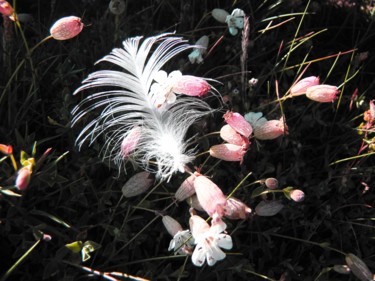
{"type": "Point", "coordinates": [66, 28]}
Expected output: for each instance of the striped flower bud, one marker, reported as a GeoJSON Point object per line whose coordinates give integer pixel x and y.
{"type": "Point", "coordinates": [238, 123]}
{"type": "Point", "coordinates": [210, 196]}
{"type": "Point", "coordinates": [301, 86]}
{"type": "Point", "coordinates": [66, 28]}
{"type": "Point", "coordinates": [271, 129]}
{"type": "Point", "coordinates": [228, 152]}
{"type": "Point", "coordinates": [191, 86]}
{"type": "Point", "coordinates": [23, 178]}
{"type": "Point", "coordinates": [236, 209]}
{"type": "Point", "coordinates": [230, 135]}
{"type": "Point", "coordinates": [358, 267]}
{"type": "Point", "coordinates": [186, 189]}
{"type": "Point", "coordinates": [322, 93]}
{"type": "Point", "coordinates": [171, 225]}
{"type": "Point", "coordinates": [268, 208]}
{"type": "Point", "coordinates": [138, 184]}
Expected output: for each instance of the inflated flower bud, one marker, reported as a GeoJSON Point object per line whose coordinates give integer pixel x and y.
{"type": "Point", "coordinates": [271, 183]}
{"type": "Point", "coordinates": [186, 189]}
{"type": "Point", "coordinates": [191, 86]}
{"type": "Point", "coordinates": [130, 142]}
{"type": "Point", "coordinates": [210, 196]}
{"type": "Point", "coordinates": [23, 178]}
{"type": "Point", "coordinates": [301, 86]}
{"type": "Point", "coordinates": [238, 123]}
{"type": "Point", "coordinates": [230, 135]}
{"type": "Point", "coordinates": [66, 28]}
{"type": "Point", "coordinates": [358, 267]}
{"type": "Point", "coordinates": [228, 152]}
{"type": "Point", "coordinates": [268, 208]}
{"type": "Point", "coordinates": [271, 129]}
{"type": "Point", "coordinates": [236, 209]}
{"type": "Point", "coordinates": [171, 225]}
{"type": "Point", "coordinates": [322, 93]}
{"type": "Point", "coordinates": [138, 184]}
{"type": "Point", "coordinates": [220, 15]}
{"type": "Point", "coordinates": [297, 195]}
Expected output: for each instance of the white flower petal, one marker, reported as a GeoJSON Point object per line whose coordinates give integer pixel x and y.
{"type": "Point", "coordinates": [214, 253]}
{"type": "Point", "coordinates": [199, 255]}
{"type": "Point", "coordinates": [160, 76]}
{"type": "Point", "coordinates": [224, 241]}
{"type": "Point", "coordinates": [238, 13]}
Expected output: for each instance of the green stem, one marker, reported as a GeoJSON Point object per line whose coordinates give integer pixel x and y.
{"type": "Point", "coordinates": [18, 262]}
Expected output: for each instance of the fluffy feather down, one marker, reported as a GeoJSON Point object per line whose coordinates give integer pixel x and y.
{"type": "Point", "coordinates": [126, 101]}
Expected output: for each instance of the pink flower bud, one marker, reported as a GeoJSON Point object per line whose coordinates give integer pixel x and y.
{"type": "Point", "coordinates": [191, 86]}
{"type": "Point", "coordinates": [186, 189]}
{"type": "Point", "coordinates": [297, 195]}
{"type": "Point", "coordinates": [301, 86]}
{"type": "Point", "coordinates": [6, 9]}
{"type": "Point", "coordinates": [66, 28]}
{"type": "Point", "coordinates": [23, 178]}
{"type": "Point", "coordinates": [271, 129]}
{"type": "Point", "coordinates": [230, 135]}
{"type": "Point", "coordinates": [171, 225]}
{"type": "Point", "coordinates": [138, 184]}
{"type": "Point", "coordinates": [6, 149]}
{"type": "Point", "coordinates": [238, 123]}
{"type": "Point", "coordinates": [268, 208]}
{"type": "Point", "coordinates": [236, 209]}
{"type": "Point", "coordinates": [322, 93]}
{"type": "Point", "coordinates": [228, 152]}
{"type": "Point", "coordinates": [271, 183]}
{"type": "Point", "coordinates": [210, 196]}
{"type": "Point", "coordinates": [130, 141]}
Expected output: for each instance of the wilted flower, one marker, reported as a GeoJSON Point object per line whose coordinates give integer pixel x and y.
{"type": "Point", "coordinates": [301, 86]}
{"type": "Point", "coordinates": [297, 195]}
{"type": "Point", "coordinates": [209, 240]}
{"type": "Point", "coordinates": [268, 208]}
{"type": "Point", "coordinates": [271, 130]}
{"type": "Point", "coordinates": [235, 21]}
{"type": "Point", "coordinates": [6, 9]}
{"type": "Point", "coordinates": [228, 152]}
{"type": "Point", "coordinates": [66, 28]}
{"type": "Point", "coordinates": [196, 55]}
{"type": "Point", "coordinates": [182, 241]}
{"type": "Point", "coordinates": [6, 149]}
{"type": "Point", "coordinates": [191, 86]}
{"type": "Point", "coordinates": [117, 7]}
{"type": "Point", "coordinates": [186, 189]}
{"type": "Point", "coordinates": [238, 123]}
{"type": "Point", "coordinates": [322, 93]}
{"type": "Point", "coordinates": [130, 141]}
{"type": "Point", "coordinates": [138, 184]}
{"type": "Point", "coordinates": [230, 135]}
{"type": "Point", "coordinates": [23, 178]}
{"type": "Point", "coordinates": [210, 196]}
{"type": "Point", "coordinates": [236, 209]}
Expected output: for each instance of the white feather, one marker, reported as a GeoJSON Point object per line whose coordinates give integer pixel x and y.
{"type": "Point", "coordinates": [126, 101]}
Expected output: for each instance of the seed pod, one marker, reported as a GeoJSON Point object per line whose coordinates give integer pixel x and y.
{"type": "Point", "coordinates": [268, 208]}
{"type": "Point", "coordinates": [66, 28]}
{"type": "Point", "coordinates": [138, 184]}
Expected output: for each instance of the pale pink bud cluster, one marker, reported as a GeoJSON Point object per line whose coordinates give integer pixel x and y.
{"type": "Point", "coordinates": [313, 90]}
{"type": "Point", "coordinates": [66, 28]}
{"type": "Point", "coordinates": [271, 129]}
{"type": "Point", "coordinates": [236, 133]}
{"type": "Point", "coordinates": [191, 86]}
{"type": "Point", "coordinates": [138, 184]}
{"type": "Point", "coordinates": [210, 196]}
